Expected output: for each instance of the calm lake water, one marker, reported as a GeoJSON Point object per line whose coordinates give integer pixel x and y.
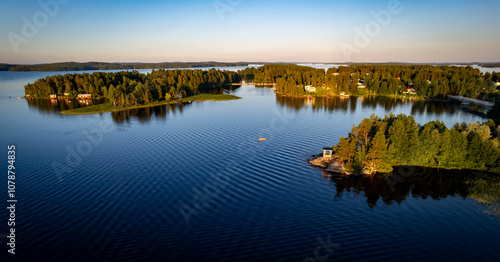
{"type": "Point", "coordinates": [193, 183]}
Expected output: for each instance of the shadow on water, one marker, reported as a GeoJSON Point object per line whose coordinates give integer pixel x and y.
{"type": "Point", "coordinates": [486, 192]}
{"type": "Point", "coordinates": [146, 114]}
{"type": "Point", "coordinates": [55, 106]}
{"type": "Point", "coordinates": [317, 103]}
{"type": "Point", "coordinates": [143, 115]}
{"type": "Point", "coordinates": [346, 104]}
{"type": "Point", "coordinates": [420, 182]}
{"type": "Point", "coordinates": [447, 108]}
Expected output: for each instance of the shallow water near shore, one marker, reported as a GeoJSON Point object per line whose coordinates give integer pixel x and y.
{"type": "Point", "coordinates": [192, 182]}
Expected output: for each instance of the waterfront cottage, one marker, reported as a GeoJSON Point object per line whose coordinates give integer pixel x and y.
{"type": "Point", "coordinates": [327, 152]}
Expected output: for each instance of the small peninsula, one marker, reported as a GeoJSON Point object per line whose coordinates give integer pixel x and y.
{"type": "Point", "coordinates": [107, 107]}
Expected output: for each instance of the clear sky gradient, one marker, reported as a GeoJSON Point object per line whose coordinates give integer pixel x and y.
{"type": "Point", "coordinates": [249, 30]}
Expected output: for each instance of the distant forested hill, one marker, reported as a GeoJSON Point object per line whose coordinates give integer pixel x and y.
{"type": "Point", "coordinates": [5, 67]}
{"type": "Point", "coordinates": [74, 66]}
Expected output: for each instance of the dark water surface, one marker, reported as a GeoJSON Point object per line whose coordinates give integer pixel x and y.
{"type": "Point", "coordinates": [193, 183]}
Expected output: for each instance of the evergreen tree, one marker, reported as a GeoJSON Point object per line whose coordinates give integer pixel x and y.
{"type": "Point", "coordinates": [377, 155]}
{"type": "Point", "coordinates": [428, 148]}
{"type": "Point", "coordinates": [445, 152]}
{"type": "Point", "coordinates": [159, 92]}
{"type": "Point", "coordinates": [457, 157]}
{"type": "Point", "coordinates": [122, 99]}
{"type": "Point", "coordinates": [397, 142]}
{"type": "Point", "coordinates": [148, 98]}
{"type": "Point", "coordinates": [363, 131]}
{"type": "Point", "coordinates": [111, 95]}
{"type": "Point", "coordinates": [104, 91]}
{"type": "Point", "coordinates": [346, 149]}
{"type": "Point", "coordinates": [494, 113]}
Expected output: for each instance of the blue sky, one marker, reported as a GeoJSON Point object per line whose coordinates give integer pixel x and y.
{"type": "Point", "coordinates": [244, 30]}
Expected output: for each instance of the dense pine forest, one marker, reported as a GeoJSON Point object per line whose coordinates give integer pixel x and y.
{"type": "Point", "coordinates": [133, 88]}
{"type": "Point", "coordinates": [425, 81]}
{"type": "Point", "coordinates": [379, 144]}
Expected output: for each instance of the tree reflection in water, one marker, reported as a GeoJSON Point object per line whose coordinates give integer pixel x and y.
{"type": "Point", "coordinates": [486, 191]}
{"type": "Point", "coordinates": [146, 114]}
{"type": "Point", "coordinates": [374, 102]}
{"type": "Point", "coordinates": [55, 106]}
{"type": "Point", "coordinates": [421, 183]}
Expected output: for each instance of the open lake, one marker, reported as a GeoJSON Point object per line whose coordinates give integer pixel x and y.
{"type": "Point", "coordinates": [193, 183]}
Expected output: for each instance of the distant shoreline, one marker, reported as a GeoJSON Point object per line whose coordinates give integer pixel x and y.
{"type": "Point", "coordinates": [92, 66]}
{"type": "Point", "coordinates": [358, 95]}
{"type": "Point", "coordinates": [89, 66]}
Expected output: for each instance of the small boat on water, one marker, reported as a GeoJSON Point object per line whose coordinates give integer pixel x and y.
{"type": "Point", "coordinates": [262, 139]}
{"type": "Point", "coordinates": [342, 94]}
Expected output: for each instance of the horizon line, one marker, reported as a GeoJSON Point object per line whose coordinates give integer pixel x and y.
{"type": "Point", "coordinates": [255, 62]}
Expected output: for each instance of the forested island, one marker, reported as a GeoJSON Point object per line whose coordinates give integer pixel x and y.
{"type": "Point", "coordinates": [131, 89]}
{"type": "Point", "coordinates": [419, 81]}
{"type": "Point", "coordinates": [376, 145]}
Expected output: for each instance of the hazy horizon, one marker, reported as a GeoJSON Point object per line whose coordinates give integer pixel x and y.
{"type": "Point", "coordinates": [316, 31]}
{"type": "Point", "coordinates": [259, 62]}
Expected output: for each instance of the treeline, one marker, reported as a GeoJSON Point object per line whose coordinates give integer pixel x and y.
{"type": "Point", "coordinates": [6, 67]}
{"type": "Point", "coordinates": [494, 113]}
{"type": "Point", "coordinates": [377, 145]}
{"type": "Point", "coordinates": [271, 72]}
{"type": "Point", "coordinates": [74, 66]}
{"type": "Point", "coordinates": [425, 80]}
{"type": "Point", "coordinates": [132, 88]}
{"type": "Point", "coordinates": [490, 65]}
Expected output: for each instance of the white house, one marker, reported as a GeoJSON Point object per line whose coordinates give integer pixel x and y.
{"type": "Point", "coordinates": [310, 89]}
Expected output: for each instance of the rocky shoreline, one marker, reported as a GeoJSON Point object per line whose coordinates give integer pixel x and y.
{"type": "Point", "coordinates": [333, 165]}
